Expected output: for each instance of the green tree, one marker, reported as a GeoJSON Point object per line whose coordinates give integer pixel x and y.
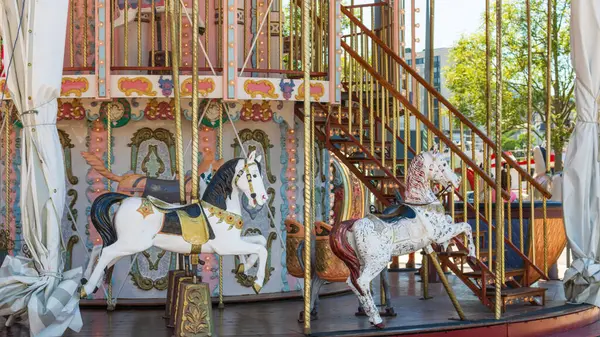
{"type": "Point", "coordinates": [466, 76]}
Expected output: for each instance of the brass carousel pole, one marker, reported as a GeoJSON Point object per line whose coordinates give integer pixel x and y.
{"type": "Point", "coordinates": [195, 117]}
{"type": "Point", "coordinates": [307, 160]}
{"type": "Point", "coordinates": [109, 297]}
{"type": "Point", "coordinates": [548, 125]}
{"type": "Point", "coordinates": [190, 287]}
{"type": "Point", "coordinates": [176, 275]}
{"type": "Point", "coordinates": [221, 304]}
{"type": "Point", "coordinates": [499, 198]}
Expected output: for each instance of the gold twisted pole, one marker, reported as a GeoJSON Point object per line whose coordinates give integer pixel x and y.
{"type": "Point", "coordinates": [195, 117]}
{"type": "Point", "coordinates": [126, 33]}
{"type": "Point", "coordinates": [177, 92]}
{"type": "Point", "coordinates": [548, 122]}
{"type": "Point", "coordinates": [447, 286]}
{"type": "Point", "coordinates": [307, 160]}
{"type": "Point", "coordinates": [109, 298]}
{"type": "Point", "coordinates": [85, 33]}
{"type": "Point", "coordinates": [195, 93]}
{"type": "Point", "coordinates": [529, 113]}
{"type": "Point", "coordinates": [499, 198]}
{"type": "Point", "coordinates": [139, 35]}
{"type": "Point", "coordinates": [71, 38]}
{"type": "Point", "coordinates": [221, 304]}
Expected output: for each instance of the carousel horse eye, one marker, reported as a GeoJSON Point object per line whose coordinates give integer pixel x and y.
{"type": "Point", "coordinates": [255, 176]}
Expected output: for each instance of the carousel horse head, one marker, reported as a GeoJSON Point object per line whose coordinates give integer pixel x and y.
{"type": "Point", "coordinates": [249, 180]}
{"type": "Point", "coordinates": [437, 169]}
{"type": "Point", "coordinates": [243, 175]}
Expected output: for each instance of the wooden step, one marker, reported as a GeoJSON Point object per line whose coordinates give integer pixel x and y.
{"type": "Point", "coordinates": [400, 178]}
{"type": "Point", "coordinates": [454, 253]}
{"type": "Point", "coordinates": [509, 274]}
{"type": "Point", "coordinates": [484, 255]}
{"type": "Point", "coordinates": [356, 160]}
{"type": "Point", "coordinates": [366, 142]}
{"type": "Point", "coordinates": [520, 295]}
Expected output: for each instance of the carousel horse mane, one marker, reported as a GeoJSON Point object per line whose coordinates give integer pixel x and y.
{"type": "Point", "coordinates": [219, 188]}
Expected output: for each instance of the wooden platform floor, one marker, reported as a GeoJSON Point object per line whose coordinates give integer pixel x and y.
{"type": "Point", "coordinates": [336, 314]}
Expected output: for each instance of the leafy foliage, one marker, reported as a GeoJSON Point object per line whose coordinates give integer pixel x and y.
{"type": "Point", "coordinates": [466, 76]}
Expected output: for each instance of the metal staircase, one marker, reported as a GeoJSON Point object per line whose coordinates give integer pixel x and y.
{"type": "Point", "coordinates": [371, 134]}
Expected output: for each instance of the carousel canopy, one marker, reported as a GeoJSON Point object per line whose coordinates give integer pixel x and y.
{"type": "Point", "coordinates": [581, 187]}
{"type": "Point", "coordinates": [35, 286]}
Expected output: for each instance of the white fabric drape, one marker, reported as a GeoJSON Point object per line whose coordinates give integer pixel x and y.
{"type": "Point", "coordinates": [36, 287]}
{"type": "Point", "coordinates": [581, 186]}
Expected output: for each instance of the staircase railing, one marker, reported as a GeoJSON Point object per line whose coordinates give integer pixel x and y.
{"type": "Point", "coordinates": [381, 86]}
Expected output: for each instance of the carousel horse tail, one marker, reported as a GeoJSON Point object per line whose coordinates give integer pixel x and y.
{"type": "Point", "coordinates": [98, 165]}
{"type": "Point", "coordinates": [344, 251]}
{"type": "Point", "coordinates": [100, 216]}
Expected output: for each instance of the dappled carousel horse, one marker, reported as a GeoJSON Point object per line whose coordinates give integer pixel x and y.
{"type": "Point", "coordinates": [325, 266]}
{"type": "Point", "coordinates": [213, 225]}
{"type": "Point", "coordinates": [366, 245]}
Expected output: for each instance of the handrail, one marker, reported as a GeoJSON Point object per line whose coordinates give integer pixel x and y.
{"type": "Point", "coordinates": [445, 102]}
{"type": "Point", "coordinates": [422, 118]}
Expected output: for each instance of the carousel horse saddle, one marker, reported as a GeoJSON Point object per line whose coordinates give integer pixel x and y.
{"type": "Point", "coordinates": [396, 212]}
{"type": "Point", "coordinates": [165, 190]}
{"type": "Point", "coordinates": [189, 221]}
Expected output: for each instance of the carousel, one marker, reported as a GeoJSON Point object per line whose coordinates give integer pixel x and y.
{"type": "Point", "coordinates": [273, 168]}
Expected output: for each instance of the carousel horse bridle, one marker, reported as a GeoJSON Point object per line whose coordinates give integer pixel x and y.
{"type": "Point", "coordinates": [246, 170]}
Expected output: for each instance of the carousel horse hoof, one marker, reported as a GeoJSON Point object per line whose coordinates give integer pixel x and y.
{"type": "Point", "coordinates": [256, 288]}
{"type": "Point", "coordinates": [390, 312]}
{"type": "Point", "coordinates": [380, 326]}
{"type": "Point", "coordinates": [95, 290]}
{"type": "Point", "coordinates": [82, 293]}
{"type": "Point", "coordinates": [84, 281]}
{"type": "Point", "coordinates": [240, 269]}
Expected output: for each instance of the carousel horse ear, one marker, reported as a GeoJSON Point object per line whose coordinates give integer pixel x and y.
{"type": "Point", "coordinates": [252, 155]}
{"type": "Point", "coordinates": [258, 159]}
{"type": "Point", "coordinates": [434, 149]}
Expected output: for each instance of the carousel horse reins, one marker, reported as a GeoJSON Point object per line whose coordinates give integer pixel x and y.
{"type": "Point", "coordinates": [246, 169]}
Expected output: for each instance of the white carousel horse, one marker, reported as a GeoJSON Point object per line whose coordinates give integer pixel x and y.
{"type": "Point", "coordinates": [367, 245]}
{"type": "Point", "coordinates": [132, 13]}
{"type": "Point", "coordinates": [552, 183]}
{"type": "Point", "coordinates": [203, 181]}
{"type": "Point", "coordinates": [138, 222]}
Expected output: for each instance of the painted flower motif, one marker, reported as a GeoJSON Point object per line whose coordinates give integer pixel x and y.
{"type": "Point", "coordinates": [166, 86]}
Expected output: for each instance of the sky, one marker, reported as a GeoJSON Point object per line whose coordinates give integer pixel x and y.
{"type": "Point", "coordinates": [453, 18]}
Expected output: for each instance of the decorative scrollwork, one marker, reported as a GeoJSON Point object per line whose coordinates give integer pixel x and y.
{"type": "Point", "coordinates": [197, 316]}
{"type": "Point", "coordinates": [139, 137]}
{"type": "Point", "coordinates": [72, 193]}
{"type": "Point", "coordinates": [271, 193]}
{"type": "Point", "coordinates": [73, 240]}
{"type": "Point", "coordinates": [67, 145]}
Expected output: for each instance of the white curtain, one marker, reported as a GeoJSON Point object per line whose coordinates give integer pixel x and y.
{"type": "Point", "coordinates": [36, 288]}
{"type": "Point", "coordinates": [581, 187]}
